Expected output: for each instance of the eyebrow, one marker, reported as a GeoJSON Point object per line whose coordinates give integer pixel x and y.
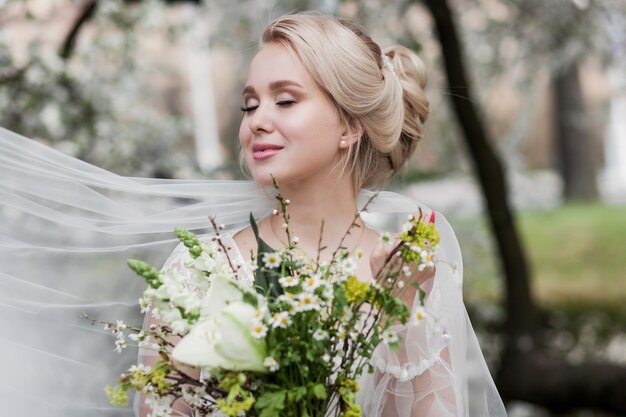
{"type": "Point", "coordinates": [274, 85]}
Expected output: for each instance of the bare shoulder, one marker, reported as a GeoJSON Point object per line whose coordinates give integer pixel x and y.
{"type": "Point", "coordinates": [246, 242]}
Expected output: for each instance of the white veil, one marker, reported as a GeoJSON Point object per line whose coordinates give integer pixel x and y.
{"type": "Point", "coordinates": [66, 231]}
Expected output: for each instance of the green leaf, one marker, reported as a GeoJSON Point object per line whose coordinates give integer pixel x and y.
{"type": "Point", "coordinates": [319, 391]}
{"type": "Point", "coordinates": [296, 394]}
{"type": "Point", "coordinates": [251, 299]}
{"type": "Point", "coordinates": [270, 403]}
{"type": "Point", "coordinates": [265, 282]}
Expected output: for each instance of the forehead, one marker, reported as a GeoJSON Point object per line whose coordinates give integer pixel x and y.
{"type": "Point", "coordinates": [275, 62]}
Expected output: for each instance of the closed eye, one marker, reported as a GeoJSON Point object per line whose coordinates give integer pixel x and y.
{"type": "Point", "coordinates": [248, 108]}
{"type": "Point", "coordinates": [281, 103]}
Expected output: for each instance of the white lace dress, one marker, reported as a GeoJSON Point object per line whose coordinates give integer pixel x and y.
{"type": "Point", "coordinates": [439, 370]}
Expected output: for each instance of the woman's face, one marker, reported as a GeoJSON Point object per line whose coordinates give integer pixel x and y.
{"type": "Point", "coordinates": [290, 129]}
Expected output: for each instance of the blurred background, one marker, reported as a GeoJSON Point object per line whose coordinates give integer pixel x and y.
{"type": "Point", "coordinates": [524, 151]}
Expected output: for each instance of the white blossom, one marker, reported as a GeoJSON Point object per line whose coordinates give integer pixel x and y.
{"type": "Point", "coordinates": [311, 283]}
{"type": "Point", "coordinates": [427, 260]}
{"type": "Point", "coordinates": [288, 281]}
{"type": "Point", "coordinates": [320, 335]}
{"type": "Point", "coordinates": [307, 302]}
{"type": "Point", "coordinates": [346, 315]}
{"type": "Point", "coordinates": [281, 320]}
{"type": "Point", "coordinates": [389, 336]}
{"type": "Point", "coordinates": [194, 395]}
{"type": "Point", "coordinates": [271, 364]}
{"type": "Point", "coordinates": [259, 330]}
{"type": "Point", "coordinates": [418, 316]}
{"type": "Point", "coordinates": [139, 367]}
{"type": "Point", "coordinates": [159, 406]}
{"type": "Point", "coordinates": [271, 260]}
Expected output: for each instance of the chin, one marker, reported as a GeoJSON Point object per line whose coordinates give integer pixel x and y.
{"type": "Point", "coordinates": [264, 179]}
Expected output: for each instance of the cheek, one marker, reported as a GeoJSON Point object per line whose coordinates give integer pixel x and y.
{"type": "Point", "coordinates": [244, 132]}
{"type": "Point", "coordinates": [311, 128]}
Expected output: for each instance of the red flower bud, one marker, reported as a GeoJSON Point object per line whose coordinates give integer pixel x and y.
{"type": "Point", "coordinates": [432, 218]}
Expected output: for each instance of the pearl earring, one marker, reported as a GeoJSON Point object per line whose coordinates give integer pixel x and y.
{"type": "Point", "coordinates": [343, 142]}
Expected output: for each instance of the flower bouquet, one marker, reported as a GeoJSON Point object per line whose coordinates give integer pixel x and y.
{"type": "Point", "coordinates": [293, 344]}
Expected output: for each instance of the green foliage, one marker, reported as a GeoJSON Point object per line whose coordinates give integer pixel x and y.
{"type": "Point", "coordinates": [190, 240]}
{"type": "Point", "coordinates": [239, 400]}
{"type": "Point", "coordinates": [147, 271]}
{"type": "Point", "coordinates": [347, 391]}
{"type": "Point", "coordinates": [270, 404]}
{"type": "Point", "coordinates": [265, 282]}
{"type": "Point", "coordinates": [575, 248]}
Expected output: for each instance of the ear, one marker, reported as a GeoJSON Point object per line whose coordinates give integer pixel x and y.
{"type": "Point", "coordinates": [351, 134]}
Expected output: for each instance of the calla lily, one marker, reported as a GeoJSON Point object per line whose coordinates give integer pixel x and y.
{"type": "Point", "coordinates": [222, 292]}
{"type": "Point", "coordinates": [198, 347]}
{"type": "Point", "coordinates": [223, 339]}
{"type": "Point", "coordinates": [237, 345]}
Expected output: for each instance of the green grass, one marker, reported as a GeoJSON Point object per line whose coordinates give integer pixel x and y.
{"type": "Point", "coordinates": [577, 254]}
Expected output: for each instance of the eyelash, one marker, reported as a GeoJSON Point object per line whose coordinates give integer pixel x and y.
{"type": "Point", "coordinates": [282, 102]}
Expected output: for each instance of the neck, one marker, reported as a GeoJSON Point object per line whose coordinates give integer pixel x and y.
{"type": "Point", "coordinates": [333, 201]}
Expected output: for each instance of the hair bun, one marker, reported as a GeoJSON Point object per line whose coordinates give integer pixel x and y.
{"type": "Point", "coordinates": [411, 73]}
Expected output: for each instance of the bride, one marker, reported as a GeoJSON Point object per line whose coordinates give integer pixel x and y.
{"type": "Point", "coordinates": [327, 113]}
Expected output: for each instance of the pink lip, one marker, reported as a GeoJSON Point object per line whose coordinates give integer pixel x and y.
{"type": "Point", "coordinates": [262, 151]}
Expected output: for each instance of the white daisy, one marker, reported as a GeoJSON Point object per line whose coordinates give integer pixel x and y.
{"type": "Point", "coordinates": [281, 320]}
{"type": "Point", "coordinates": [287, 298]}
{"type": "Point", "coordinates": [389, 336]}
{"type": "Point", "coordinates": [307, 302]}
{"type": "Point", "coordinates": [259, 330]}
{"type": "Point", "coordinates": [288, 281]}
{"type": "Point", "coordinates": [341, 333]}
{"type": "Point", "coordinates": [320, 335]}
{"type": "Point", "coordinates": [419, 315]}
{"type": "Point", "coordinates": [271, 260]}
{"type": "Point", "coordinates": [311, 283]}
{"type": "Point", "coordinates": [328, 292]}
{"type": "Point", "coordinates": [346, 315]}
{"type": "Point", "coordinates": [427, 260]}
{"type": "Point", "coordinates": [349, 265]}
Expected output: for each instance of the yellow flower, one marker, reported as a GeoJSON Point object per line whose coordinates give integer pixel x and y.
{"type": "Point", "coordinates": [117, 395]}
{"type": "Point", "coordinates": [355, 290]}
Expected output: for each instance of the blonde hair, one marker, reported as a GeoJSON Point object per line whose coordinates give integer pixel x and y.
{"type": "Point", "coordinates": [348, 66]}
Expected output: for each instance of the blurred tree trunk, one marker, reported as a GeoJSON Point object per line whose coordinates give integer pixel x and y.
{"type": "Point", "coordinates": [575, 150]}
{"type": "Point", "coordinates": [526, 373]}
{"type": "Point", "coordinates": [521, 316]}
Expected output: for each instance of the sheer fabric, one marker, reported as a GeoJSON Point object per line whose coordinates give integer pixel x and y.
{"type": "Point", "coordinates": [66, 231]}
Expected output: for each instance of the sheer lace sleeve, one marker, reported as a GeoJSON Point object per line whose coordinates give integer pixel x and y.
{"type": "Point", "coordinates": [180, 256]}
{"type": "Point", "coordinates": [439, 359]}
{"type": "Point", "coordinates": [176, 262]}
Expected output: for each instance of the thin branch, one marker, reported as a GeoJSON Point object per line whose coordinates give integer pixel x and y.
{"type": "Point", "coordinates": [87, 12]}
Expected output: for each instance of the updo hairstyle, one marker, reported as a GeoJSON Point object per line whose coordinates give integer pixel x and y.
{"type": "Point", "coordinates": [348, 65]}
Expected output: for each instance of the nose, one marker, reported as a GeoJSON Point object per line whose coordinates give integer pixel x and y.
{"type": "Point", "coordinates": [260, 120]}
